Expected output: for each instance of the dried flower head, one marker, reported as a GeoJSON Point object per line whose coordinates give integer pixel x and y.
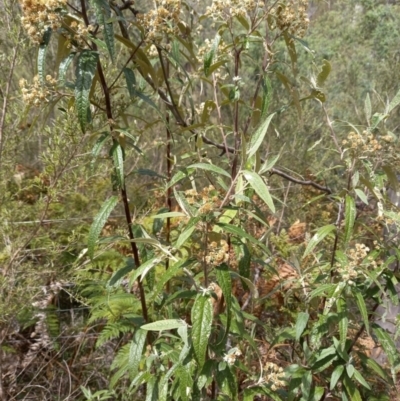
{"type": "Point", "coordinates": [41, 15]}
{"type": "Point", "coordinates": [161, 21]}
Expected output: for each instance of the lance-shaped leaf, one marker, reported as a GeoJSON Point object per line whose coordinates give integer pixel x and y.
{"type": "Point", "coordinates": [350, 217]}
{"type": "Point", "coordinates": [98, 223]}
{"type": "Point", "coordinates": [210, 167]}
{"type": "Point", "coordinates": [209, 56]}
{"type": "Point", "coordinates": [361, 307]}
{"type": "Point", "coordinates": [343, 320]}
{"type": "Point", "coordinates": [62, 71]}
{"type": "Point", "coordinates": [301, 324]}
{"type": "Point", "coordinates": [167, 324]}
{"type": "Point", "coordinates": [85, 70]}
{"type": "Point", "coordinates": [266, 95]}
{"type": "Point", "coordinates": [258, 137]}
{"type": "Point", "coordinates": [225, 282]}
{"type": "Point", "coordinates": [98, 146]}
{"type": "Point", "coordinates": [257, 183]}
{"type": "Point", "coordinates": [103, 13]}
{"type": "Point", "coordinates": [117, 154]}
{"type": "Point", "coordinates": [41, 60]}
{"type": "Point", "coordinates": [202, 316]}
{"type": "Point", "coordinates": [318, 237]}
{"type": "Point", "coordinates": [135, 351]}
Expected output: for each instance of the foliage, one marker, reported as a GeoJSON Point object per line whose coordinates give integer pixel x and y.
{"type": "Point", "coordinates": [240, 239]}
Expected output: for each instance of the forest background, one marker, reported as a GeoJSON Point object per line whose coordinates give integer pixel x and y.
{"type": "Point", "coordinates": [193, 199]}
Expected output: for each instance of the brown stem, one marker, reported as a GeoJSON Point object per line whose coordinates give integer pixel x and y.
{"type": "Point", "coordinates": [124, 196]}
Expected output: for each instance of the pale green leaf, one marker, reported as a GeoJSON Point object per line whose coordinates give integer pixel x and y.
{"type": "Point", "coordinates": [209, 56]}
{"type": "Point", "coordinates": [301, 324]}
{"type": "Point", "coordinates": [62, 71]}
{"type": "Point", "coordinates": [202, 316]}
{"type": "Point", "coordinates": [361, 194]}
{"type": "Point", "coordinates": [167, 324]}
{"type": "Point", "coordinates": [117, 154]}
{"type": "Point", "coordinates": [367, 107]}
{"type": "Point", "coordinates": [350, 217]}
{"type": "Point", "coordinates": [210, 167]}
{"type": "Point", "coordinates": [135, 351]}
{"type": "Point", "coordinates": [361, 307]}
{"type": "Point", "coordinates": [318, 237]}
{"type": "Point", "coordinates": [258, 137]}
{"type": "Point", "coordinates": [98, 223]}
{"type": "Point", "coordinates": [257, 183]}
{"type": "Point", "coordinates": [41, 59]}
{"type": "Point", "coordinates": [336, 374]}
{"type": "Point", "coordinates": [395, 102]}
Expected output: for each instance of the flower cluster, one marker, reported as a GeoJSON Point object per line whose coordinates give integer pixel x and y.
{"type": "Point", "coordinates": [274, 375]}
{"type": "Point", "coordinates": [207, 199]}
{"type": "Point", "coordinates": [223, 9]}
{"type": "Point", "coordinates": [161, 21]}
{"type": "Point", "coordinates": [355, 257]}
{"type": "Point", "coordinates": [41, 15]}
{"type": "Point", "coordinates": [291, 16]}
{"type": "Point", "coordinates": [217, 253]}
{"type": "Point", "coordinates": [365, 143]}
{"type": "Point", "coordinates": [78, 33]}
{"type": "Point", "coordinates": [37, 94]}
{"type": "Point", "coordinates": [230, 357]}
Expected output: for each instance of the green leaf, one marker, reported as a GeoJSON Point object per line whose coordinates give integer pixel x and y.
{"type": "Point", "coordinates": [62, 71]}
{"type": "Point", "coordinates": [167, 324]}
{"type": "Point", "coordinates": [367, 107]}
{"type": "Point", "coordinates": [395, 102]}
{"type": "Point", "coordinates": [226, 380]}
{"type": "Point", "coordinates": [361, 195]}
{"type": "Point", "coordinates": [225, 282]}
{"type": "Point", "coordinates": [323, 75]}
{"type": "Point", "coordinates": [202, 316]}
{"type": "Point", "coordinates": [130, 81]}
{"type": "Point", "coordinates": [318, 237]}
{"type": "Point", "coordinates": [306, 382]}
{"type": "Point", "coordinates": [343, 320]}
{"type": "Point", "coordinates": [129, 266]}
{"type": "Point", "coordinates": [85, 70]}
{"type": "Point", "coordinates": [98, 223]}
{"type": "Point", "coordinates": [361, 307]}
{"type": "Point", "coordinates": [135, 351]}
{"type": "Point", "coordinates": [117, 154]}
{"type": "Point", "coordinates": [258, 137]}
{"type": "Point", "coordinates": [98, 146]}
{"type": "Point", "coordinates": [257, 183]}
{"type": "Point", "coordinates": [184, 236]}
{"type": "Point", "coordinates": [301, 324]}
{"type": "Point", "coordinates": [242, 234]}
{"type": "Point", "coordinates": [102, 10]}
{"type": "Point", "coordinates": [168, 215]}
{"type": "Point", "coordinates": [351, 389]}
{"type": "Point", "coordinates": [210, 167]}
{"type": "Point", "coordinates": [327, 289]}
{"type": "Point", "coordinates": [350, 217]}
{"type": "Point", "coordinates": [209, 56]}
{"type": "Point", "coordinates": [41, 60]}
{"type": "Point", "coordinates": [266, 96]}
{"type": "Point", "coordinates": [360, 379]}
{"type": "Point", "coordinates": [244, 263]}
{"type": "Point", "coordinates": [336, 374]}
{"type": "Point", "coordinates": [387, 344]}
{"type": "Point", "coordinates": [250, 394]}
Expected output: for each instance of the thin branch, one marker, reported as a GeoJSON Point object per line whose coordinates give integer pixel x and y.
{"type": "Point", "coordinates": [6, 96]}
